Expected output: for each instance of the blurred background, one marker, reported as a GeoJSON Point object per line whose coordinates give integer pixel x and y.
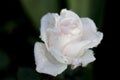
{"type": "Point", "coordinates": [19, 30]}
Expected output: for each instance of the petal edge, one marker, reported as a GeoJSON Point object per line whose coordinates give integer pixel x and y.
{"type": "Point", "coordinates": [46, 63]}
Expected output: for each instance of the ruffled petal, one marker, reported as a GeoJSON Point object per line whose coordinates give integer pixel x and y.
{"type": "Point", "coordinates": [47, 22]}
{"type": "Point", "coordinates": [89, 25]}
{"type": "Point", "coordinates": [75, 49]}
{"type": "Point", "coordinates": [60, 56]}
{"type": "Point", "coordinates": [87, 58]}
{"type": "Point", "coordinates": [95, 40]}
{"type": "Point", "coordinates": [45, 62]}
{"type": "Point", "coordinates": [68, 19]}
{"type": "Point", "coordinates": [68, 14]}
{"type": "Point", "coordinates": [57, 40]}
{"type": "Point", "coordinates": [90, 33]}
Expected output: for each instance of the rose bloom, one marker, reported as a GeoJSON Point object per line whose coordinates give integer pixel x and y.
{"type": "Point", "coordinates": [68, 40]}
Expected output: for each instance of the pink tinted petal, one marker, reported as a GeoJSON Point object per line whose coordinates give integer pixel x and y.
{"type": "Point", "coordinates": [87, 58]}
{"type": "Point", "coordinates": [46, 63]}
{"type": "Point", "coordinates": [60, 57]}
{"type": "Point", "coordinates": [57, 40]}
{"type": "Point", "coordinates": [68, 14]}
{"type": "Point", "coordinates": [95, 40]}
{"type": "Point", "coordinates": [84, 60]}
{"type": "Point", "coordinates": [47, 22]}
{"type": "Point", "coordinates": [89, 28]}
{"type": "Point", "coordinates": [75, 48]}
{"type": "Point", "coordinates": [89, 25]}
{"type": "Point", "coordinates": [70, 26]}
{"type": "Point", "coordinates": [90, 33]}
{"type": "Point", "coordinates": [68, 21]}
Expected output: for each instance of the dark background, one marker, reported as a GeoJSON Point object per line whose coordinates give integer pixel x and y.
{"type": "Point", "coordinates": [19, 30]}
{"type": "Point", "coordinates": [107, 64]}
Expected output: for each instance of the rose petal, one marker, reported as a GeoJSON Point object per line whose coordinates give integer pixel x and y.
{"type": "Point", "coordinates": [75, 48]}
{"type": "Point", "coordinates": [87, 58]}
{"type": "Point", "coordinates": [60, 57]}
{"type": "Point", "coordinates": [45, 63]}
{"type": "Point", "coordinates": [48, 21]}
{"type": "Point", "coordinates": [68, 19]}
{"type": "Point", "coordinates": [89, 25]}
{"type": "Point", "coordinates": [57, 40]}
{"type": "Point", "coordinates": [95, 40]}
{"type": "Point", "coordinates": [56, 44]}
{"type": "Point", "coordinates": [90, 32]}
{"type": "Point", "coordinates": [68, 14]}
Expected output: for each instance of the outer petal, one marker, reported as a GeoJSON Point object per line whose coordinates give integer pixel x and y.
{"type": "Point", "coordinates": [47, 22]}
{"type": "Point", "coordinates": [88, 25]}
{"type": "Point", "coordinates": [45, 63]}
{"type": "Point", "coordinates": [83, 60]}
{"type": "Point", "coordinates": [68, 14]}
{"type": "Point", "coordinates": [90, 32]}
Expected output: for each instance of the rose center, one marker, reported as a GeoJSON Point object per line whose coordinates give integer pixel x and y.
{"type": "Point", "coordinates": [69, 26]}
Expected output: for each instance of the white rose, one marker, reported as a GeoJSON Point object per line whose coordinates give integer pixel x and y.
{"type": "Point", "coordinates": [68, 39]}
